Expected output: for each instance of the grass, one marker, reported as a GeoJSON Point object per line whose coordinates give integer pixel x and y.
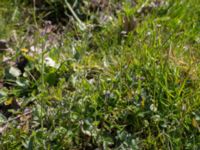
{"type": "Point", "coordinates": [110, 91]}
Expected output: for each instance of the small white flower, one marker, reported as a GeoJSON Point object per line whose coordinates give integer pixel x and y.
{"type": "Point", "coordinates": [153, 108]}
{"type": "Point", "coordinates": [186, 47]}
{"type": "Point", "coordinates": [149, 33]}
{"type": "Point", "coordinates": [35, 49]}
{"type": "Point", "coordinates": [156, 118]}
{"type": "Point", "coordinates": [91, 81]}
{"type": "Point", "coordinates": [14, 71]}
{"type": "Point", "coordinates": [50, 62]}
{"type": "Point", "coordinates": [184, 107]}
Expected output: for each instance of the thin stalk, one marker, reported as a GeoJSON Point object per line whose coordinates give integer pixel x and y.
{"type": "Point", "coordinates": [42, 78]}
{"type": "Point", "coordinates": [43, 84]}
{"type": "Point", "coordinates": [34, 14]}
{"type": "Point", "coordinates": [82, 25]}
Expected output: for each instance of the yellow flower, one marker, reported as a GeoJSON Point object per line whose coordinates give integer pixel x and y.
{"type": "Point", "coordinates": [25, 50]}
{"type": "Point", "coordinates": [8, 101]}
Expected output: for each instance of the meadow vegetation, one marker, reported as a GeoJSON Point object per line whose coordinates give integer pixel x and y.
{"type": "Point", "coordinates": [96, 74]}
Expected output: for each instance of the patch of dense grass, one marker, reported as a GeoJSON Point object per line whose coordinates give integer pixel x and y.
{"type": "Point", "coordinates": [98, 88]}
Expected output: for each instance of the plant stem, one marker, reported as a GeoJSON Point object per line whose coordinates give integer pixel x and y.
{"type": "Point", "coordinates": [82, 25]}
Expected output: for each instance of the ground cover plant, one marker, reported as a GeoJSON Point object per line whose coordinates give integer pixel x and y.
{"type": "Point", "coordinates": [99, 74]}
